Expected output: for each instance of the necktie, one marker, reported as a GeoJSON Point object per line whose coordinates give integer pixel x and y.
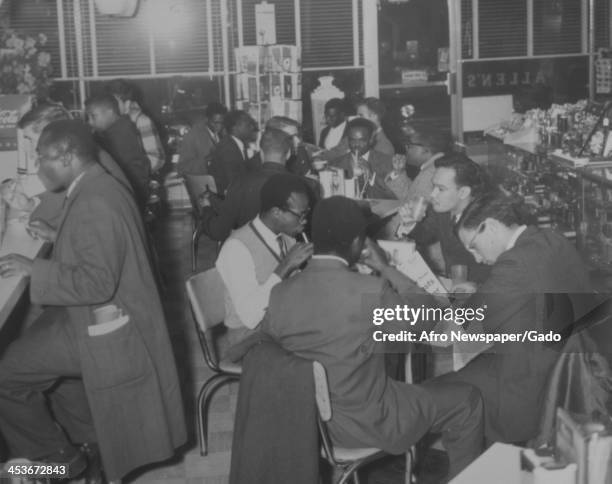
{"type": "Point", "coordinates": [245, 153]}
{"type": "Point", "coordinates": [282, 246]}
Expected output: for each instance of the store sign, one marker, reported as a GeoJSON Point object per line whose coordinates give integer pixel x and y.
{"type": "Point", "coordinates": [560, 77]}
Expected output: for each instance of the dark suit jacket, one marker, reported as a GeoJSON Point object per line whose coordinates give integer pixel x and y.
{"type": "Point", "coordinates": [194, 150]}
{"type": "Point", "coordinates": [100, 257]}
{"type": "Point", "coordinates": [324, 313]}
{"type": "Point", "coordinates": [123, 143]}
{"type": "Point", "coordinates": [227, 163]}
{"type": "Point", "coordinates": [438, 227]}
{"type": "Point", "coordinates": [380, 164]}
{"type": "Point", "coordinates": [512, 376]}
{"type": "Point", "coordinates": [241, 203]}
{"type": "Point", "coordinates": [275, 432]}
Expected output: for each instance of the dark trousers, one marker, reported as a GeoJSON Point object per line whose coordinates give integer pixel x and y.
{"type": "Point", "coordinates": [43, 360]}
{"type": "Point", "coordinates": [459, 419]}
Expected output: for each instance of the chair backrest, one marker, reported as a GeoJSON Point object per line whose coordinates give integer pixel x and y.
{"type": "Point", "coordinates": [324, 407]}
{"type": "Point", "coordinates": [206, 293]}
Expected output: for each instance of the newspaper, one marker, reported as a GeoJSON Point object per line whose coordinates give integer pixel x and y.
{"type": "Point", "coordinates": [405, 257]}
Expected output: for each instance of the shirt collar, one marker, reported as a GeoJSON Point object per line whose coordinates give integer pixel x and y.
{"type": "Point", "coordinates": [215, 137]}
{"type": "Point", "coordinates": [340, 127]}
{"type": "Point", "coordinates": [431, 161]}
{"type": "Point", "coordinates": [74, 184]}
{"type": "Point", "coordinates": [517, 233]}
{"type": "Point", "coordinates": [365, 156]}
{"type": "Point", "coordinates": [330, 257]}
{"type": "Point", "coordinates": [269, 237]}
{"type": "Point", "coordinates": [239, 143]}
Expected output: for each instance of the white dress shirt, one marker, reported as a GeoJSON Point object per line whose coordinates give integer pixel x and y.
{"type": "Point", "coordinates": [74, 184]}
{"type": "Point", "coordinates": [240, 144]}
{"type": "Point", "coordinates": [237, 269]}
{"type": "Point", "coordinates": [334, 136]}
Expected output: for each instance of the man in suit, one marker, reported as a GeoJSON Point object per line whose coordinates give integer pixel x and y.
{"type": "Point", "coordinates": [373, 109]}
{"type": "Point", "coordinates": [333, 138]}
{"type": "Point", "coordinates": [197, 145]}
{"type": "Point", "coordinates": [537, 283]}
{"type": "Point", "coordinates": [457, 180]}
{"type": "Point", "coordinates": [325, 314]}
{"type": "Point", "coordinates": [119, 137]}
{"type": "Point", "coordinates": [231, 157]}
{"type": "Point", "coordinates": [130, 104]}
{"type": "Point", "coordinates": [126, 364]}
{"type": "Point", "coordinates": [368, 166]}
{"type": "Point", "coordinates": [263, 252]}
{"type": "Point", "coordinates": [241, 202]}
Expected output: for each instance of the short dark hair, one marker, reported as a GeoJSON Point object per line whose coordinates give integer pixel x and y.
{"type": "Point", "coordinates": [362, 123]}
{"type": "Point", "coordinates": [281, 122]}
{"type": "Point", "coordinates": [39, 116]}
{"type": "Point", "coordinates": [277, 190]}
{"type": "Point", "coordinates": [507, 209]}
{"type": "Point", "coordinates": [124, 90]}
{"type": "Point", "coordinates": [215, 108]}
{"type": "Point", "coordinates": [233, 118]}
{"type": "Point", "coordinates": [275, 141]}
{"type": "Point", "coordinates": [468, 173]}
{"type": "Point", "coordinates": [336, 222]}
{"type": "Point", "coordinates": [336, 103]}
{"type": "Point", "coordinates": [70, 136]}
{"type": "Point", "coordinates": [105, 100]}
{"type": "Point", "coordinates": [375, 105]}
{"type": "Point", "coordinates": [436, 140]}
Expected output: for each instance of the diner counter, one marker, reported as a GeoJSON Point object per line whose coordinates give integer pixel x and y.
{"type": "Point", "coordinates": [16, 240]}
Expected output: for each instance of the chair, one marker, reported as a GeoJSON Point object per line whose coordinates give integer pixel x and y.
{"type": "Point", "coordinates": [195, 186]}
{"type": "Point", "coordinates": [348, 461]}
{"type": "Point", "coordinates": [206, 296]}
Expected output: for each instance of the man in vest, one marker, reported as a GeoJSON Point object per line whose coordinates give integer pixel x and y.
{"type": "Point", "coordinates": [262, 253]}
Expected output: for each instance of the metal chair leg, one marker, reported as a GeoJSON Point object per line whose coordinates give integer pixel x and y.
{"type": "Point", "coordinates": [206, 392]}
{"type": "Point", "coordinates": [195, 238]}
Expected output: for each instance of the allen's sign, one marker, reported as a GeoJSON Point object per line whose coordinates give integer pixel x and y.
{"type": "Point", "coordinates": [563, 77]}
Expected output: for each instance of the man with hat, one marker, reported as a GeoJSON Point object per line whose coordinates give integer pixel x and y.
{"type": "Point", "coordinates": [325, 313]}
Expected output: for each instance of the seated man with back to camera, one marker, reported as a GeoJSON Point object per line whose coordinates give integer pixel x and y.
{"type": "Point", "coordinates": [263, 252]}
{"type": "Point", "coordinates": [241, 203]}
{"type": "Point", "coordinates": [325, 313]}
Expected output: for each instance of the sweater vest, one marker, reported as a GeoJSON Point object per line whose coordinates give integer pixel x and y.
{"type": "Point", "coordinates": [264, 261]}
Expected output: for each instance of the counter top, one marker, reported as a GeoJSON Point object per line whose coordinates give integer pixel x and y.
{"type": "Point", "coordinates": [16, 240]}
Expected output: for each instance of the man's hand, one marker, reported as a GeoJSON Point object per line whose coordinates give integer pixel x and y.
{"type": "Point", "coordinates": [373, 256]}
{"type": "Point", "coordinates": [464, 288]}
{"type": "Point", "coordinates": [296, 256]}
{"type": "Point", "coordinates": [15, 265]}
{"type": "Point", "coordinates": [42, 230]}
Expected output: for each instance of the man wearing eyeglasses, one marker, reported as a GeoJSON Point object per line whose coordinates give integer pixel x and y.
{"type": "Point", "coordinates": [262, 253]}
{"type": "Point", "coordinates": [537, 283]}
{"type": "Point", "coordinates": [423, 148]}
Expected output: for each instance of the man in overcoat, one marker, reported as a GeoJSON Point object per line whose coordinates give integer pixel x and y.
{"type": "Point", "coordinates": [100, 257]}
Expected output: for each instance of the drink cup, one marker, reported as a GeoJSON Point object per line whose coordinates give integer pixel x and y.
{"type": "Point", "coordinates": [106, 314]}
{"type": "Point", "coordinates": [459, 273]}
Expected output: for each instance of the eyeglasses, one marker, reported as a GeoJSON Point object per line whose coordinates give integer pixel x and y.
{"type": "Point", "coordinates": [479, 231]}
{"type": "Point", "coordinates": [300, 216]}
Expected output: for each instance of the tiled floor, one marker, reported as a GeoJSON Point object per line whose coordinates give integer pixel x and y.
{"type": "Point", "coordinates": [173, 242]}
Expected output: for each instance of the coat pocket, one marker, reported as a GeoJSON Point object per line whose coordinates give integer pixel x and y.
{"type": "Point", "coordinates": [115, 358]}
